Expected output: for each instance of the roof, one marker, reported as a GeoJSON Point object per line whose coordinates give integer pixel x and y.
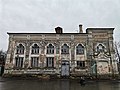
{"type": "Point", "coordinates": [67, 33]}
{"type": "Point", "coordinates": [44, 33]}
{"type": "Point", "coordinates": [100, 29]}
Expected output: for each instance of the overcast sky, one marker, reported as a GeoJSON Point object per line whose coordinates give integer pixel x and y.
{"type": "Point", "coordinates": [45, 15]}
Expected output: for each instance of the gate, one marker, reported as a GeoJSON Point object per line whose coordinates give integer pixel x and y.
{"type": "Point", "coordinates": [65, 68]}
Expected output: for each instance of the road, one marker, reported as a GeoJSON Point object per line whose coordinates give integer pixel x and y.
{"type": "Point", "coordinates": [63, 84]}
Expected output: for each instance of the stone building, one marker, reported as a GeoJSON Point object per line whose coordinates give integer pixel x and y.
{"type": "Point", "coordinates": [65, 54]}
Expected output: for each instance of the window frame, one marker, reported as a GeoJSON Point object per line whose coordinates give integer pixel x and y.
{"type": "Point", "coordinates": [50, 62]}
{"type": "Point", "coordinates": [50, 49]}
{"type": "Point", "coordinates": [80, 64]}
{"type": "Point", "coordinates": [20, 49]}
{"type": "Point", "coordinates": [34, 62]}
{"type": "Point", "coordinates": [80, 49]}
{"type": "Point", "coordinates": [19, 62]}
{"type": "Point", "coordinates": [100, 48]}
{"type": "Point", "coordinates": [35, 49]}
{"type": "Point", "coordinates": [64, 49]}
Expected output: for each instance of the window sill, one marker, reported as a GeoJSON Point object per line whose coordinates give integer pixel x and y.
{"type": "Point", "coordinates": [49, 53]}
{"type": "Point", "coordinates": [64, 53]}
{"type": "Point", "coordinates": [49, 68]}
{"type": "Point", "coordinates": [18, 68]}
{"type": "Point", "coordinates": [80, 67]}
{"type": "Point", "coordinates": [35, 53]}
{"type": "Point", "coordinates": [19, 53]}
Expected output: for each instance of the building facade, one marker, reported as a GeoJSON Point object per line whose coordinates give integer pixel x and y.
{"type": "Point", "coordinates": [65, 54]}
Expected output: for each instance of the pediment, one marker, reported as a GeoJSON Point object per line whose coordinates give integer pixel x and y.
{"type": "Point", "coordinates": [102, 56]}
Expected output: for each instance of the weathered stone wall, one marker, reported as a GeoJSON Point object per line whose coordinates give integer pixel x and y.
{"type": "Point", "coordinates": [89, 40]}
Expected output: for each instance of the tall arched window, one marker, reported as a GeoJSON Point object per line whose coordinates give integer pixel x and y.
{"type": "Point", "coordinates": [20, 49]}
{"type": "Point", "coordinates": [100, 48]}
{"type": "Point", "coordinates": [50, 49]}
{"type": "Point", "coordinates": [79, 49]}
{"type": "Point", "coordinates": [35, 49]}
{"type": "Point", "coordinates": [65, 49]}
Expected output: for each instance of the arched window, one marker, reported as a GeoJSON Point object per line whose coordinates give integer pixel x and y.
{"type": "Point", "coordinates": [100, 48]}
{"type": "Point", "coordinates": [20, 49]}
{"type": "Point", "coordinates": [50, 49]}
{"type": "Point", "coordinates": [35, 49]}
{"type": "Point", "coordinates": [65, 49]}
{"type": "Point", "coordinates": [79, 49]}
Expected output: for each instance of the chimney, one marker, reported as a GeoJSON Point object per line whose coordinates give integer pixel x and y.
{"type": "Point", "coordinates": [58, 30]}
{"type": "Point", "coordinates": [80, 28]}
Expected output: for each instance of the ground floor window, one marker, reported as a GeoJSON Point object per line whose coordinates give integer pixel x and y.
{"type": "Point", "coordinates": [50, 61]}
{"type": "Point", "coordinates": [80, 64]}
{"type": "Point", "coordinates": [19, 62]}
{"type": "Point", "coordinates": [34, 61]}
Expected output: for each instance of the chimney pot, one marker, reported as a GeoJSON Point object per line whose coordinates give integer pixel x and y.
{"type": "Point", "coordinates": [80, 28]}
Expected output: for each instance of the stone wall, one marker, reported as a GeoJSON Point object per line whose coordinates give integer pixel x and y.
{"type": "Point", "coordinates": [90, 40]}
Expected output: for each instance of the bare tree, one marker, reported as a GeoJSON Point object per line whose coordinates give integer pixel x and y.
{"type": "Point", "coordinates": [2, 56]}
{"type": "Point", "coordinates": [117, 51]}
{"type": "Point", "coordinates": [2, 61]}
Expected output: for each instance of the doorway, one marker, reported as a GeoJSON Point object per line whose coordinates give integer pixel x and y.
{"type": "Point", "coordinates": [65, 68]}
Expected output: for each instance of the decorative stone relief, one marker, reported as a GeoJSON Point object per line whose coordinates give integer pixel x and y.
{"type": "Point", "coordinates": [43, 36]}
{"type": "Point", "coordinates": [72, 37]}
{"type": "Point", "coordinates": [28, 37]}
{"type": "Point", "coordinates": [57, 36]}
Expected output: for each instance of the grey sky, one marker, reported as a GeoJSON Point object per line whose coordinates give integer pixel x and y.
{"type": "Point", "coordinates": [45, 15]}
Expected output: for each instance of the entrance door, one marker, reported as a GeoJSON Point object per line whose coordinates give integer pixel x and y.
{"type": "Point", "coordinates": [65, 68]}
